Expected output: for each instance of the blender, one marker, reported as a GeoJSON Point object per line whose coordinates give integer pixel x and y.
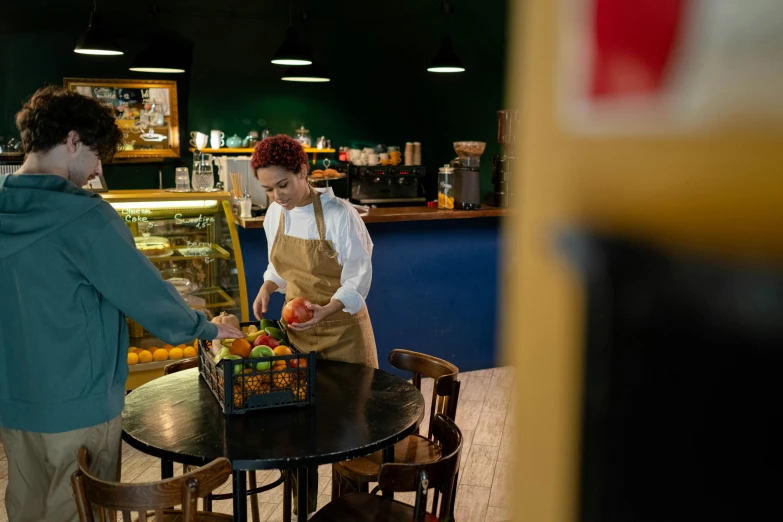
{"type": "Point", "coordinates": [467, 179]}
{"type": "Point", "coordinates": [503, 164]}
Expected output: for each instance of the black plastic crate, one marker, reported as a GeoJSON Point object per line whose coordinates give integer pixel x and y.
{"type": "Point", "coordinates": [290, 384]}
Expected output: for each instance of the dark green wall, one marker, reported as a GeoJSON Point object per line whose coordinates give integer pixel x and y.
{"type": "Point", "coordinates": [376, 54]}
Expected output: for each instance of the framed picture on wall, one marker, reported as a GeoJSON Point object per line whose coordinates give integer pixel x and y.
{"type": "Point", "coordinates": [146, 111]}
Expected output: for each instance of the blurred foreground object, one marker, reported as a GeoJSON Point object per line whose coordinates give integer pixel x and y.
{"type": "Point", "coordinates": [652, 66]}
{"type": "Point", "coordinates": [674, 143]}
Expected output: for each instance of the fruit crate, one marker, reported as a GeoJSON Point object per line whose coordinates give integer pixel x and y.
{"type": "Point", "coordinates": [248, 388]}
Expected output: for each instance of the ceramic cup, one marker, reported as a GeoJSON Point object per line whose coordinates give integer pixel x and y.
{"type": "Point", "coordinates": [198, 140]}
{"type": "Point", "coordinates": [217, 139]}
{"type": "Point", "coordinates": [372, 159]}
{"type": "Point", "coordinates": [383, 156]}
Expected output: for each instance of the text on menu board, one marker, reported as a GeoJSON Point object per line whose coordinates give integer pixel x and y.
{"type": "Point", "coordinates": [199, 222]}
{"type": "Point", "coordinates": [136, 215]}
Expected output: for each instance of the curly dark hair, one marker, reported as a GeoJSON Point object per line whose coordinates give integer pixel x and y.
{"type": "Point", "coordinates": [52, 112]}
{"type": "Point", "coordinates": [278, 151]}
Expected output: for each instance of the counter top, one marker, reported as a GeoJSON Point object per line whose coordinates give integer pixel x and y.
{"type": "Point", "coordinates": [394, 214]}
{"type": "Point", "coordinates": [137, 196]}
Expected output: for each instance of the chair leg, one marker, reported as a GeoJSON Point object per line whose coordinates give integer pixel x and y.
{"type": "Point", "coordinates": [254, 499]}
{"type": "Point", "coordinates": [287, 496]}
{"type": "Point", "coordinates": [335, 484]}
{"type": "Point", "coordinates": [208, 503]}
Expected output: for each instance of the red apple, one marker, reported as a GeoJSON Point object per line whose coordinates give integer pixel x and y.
{"type": "Point", "coordinates": [296, 311]}
{"type": "Point", "coordinates": [266, 340]}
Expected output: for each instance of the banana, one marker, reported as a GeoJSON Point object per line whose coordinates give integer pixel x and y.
{"type": "Point", "coordinates": [253, 336]}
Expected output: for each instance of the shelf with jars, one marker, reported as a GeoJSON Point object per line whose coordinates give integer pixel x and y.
{"type": "Point", "coordinates": [192, 239]}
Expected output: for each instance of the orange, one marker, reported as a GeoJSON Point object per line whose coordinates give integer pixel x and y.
{"type": "Point", "coordinates": [167, 347]}
{"type": "Point", "coordinates": [189, 352]}
{"type": "Point", "coordinates": [176, 353]}
{"type": "Point", "coordinates": [133, 358]}
{"type": "Point", "coordinates": [145, 356]}
{"type": "Point", "coordinates": [181, 346]}
{"type": "Point", "coordinates": [283, 350]}
{"type": "Point", "coordinates": [281, 380]}
{"type": "Point", "coordinates": [160, 355]}
{"type": "Point", "coordinates": [241, 348]}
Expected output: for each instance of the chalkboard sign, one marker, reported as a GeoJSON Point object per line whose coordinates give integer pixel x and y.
{"type": "Point", "coordinates": [146, 111]}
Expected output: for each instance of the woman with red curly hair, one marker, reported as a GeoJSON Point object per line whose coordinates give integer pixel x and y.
{"type": "Point", "coordinates": [319, 249]}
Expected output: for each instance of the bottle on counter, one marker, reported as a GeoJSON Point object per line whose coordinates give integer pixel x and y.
{"type": "Point", "coordinates": [446, 187]}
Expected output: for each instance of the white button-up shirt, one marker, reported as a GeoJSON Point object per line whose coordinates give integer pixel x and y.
{"type": "Point", "coordinates": [348, 235]}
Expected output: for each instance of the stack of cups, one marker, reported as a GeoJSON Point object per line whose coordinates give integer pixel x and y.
{"type": "Point", "coordinates": [409, 153]}
{"type": "Point", "coordinates": [416, 153]}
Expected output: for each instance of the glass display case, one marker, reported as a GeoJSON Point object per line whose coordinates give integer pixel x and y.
{"type": "Point", "coordinates": [191, 238]}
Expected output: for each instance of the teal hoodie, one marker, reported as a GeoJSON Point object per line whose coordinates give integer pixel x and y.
{"type": "Point", "coordinates": [69, 272]}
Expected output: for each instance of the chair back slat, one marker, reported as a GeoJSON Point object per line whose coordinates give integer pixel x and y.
{"type": "Point", "coordinates": [190, 500]}
{"type": "Point", "coordinates": [416, 379]}
{"type": "Point", "coordinates": [420, 505]}
{"type": "Point", "coordinates": [453, 399]}
{"type": "Point", "coordinates": [110, 497]}
{"type": "Point", "coordinates": [443, 373]}
{"type": "Point", "coordinates": [440, 474]}
{"type": "Point", "coordinates": [126, 516]}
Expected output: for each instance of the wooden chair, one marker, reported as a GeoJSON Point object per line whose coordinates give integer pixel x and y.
{"type": "Point", "coordinates": [440, 475]}
{"type": "Point", "coordinates": [355, 475]}
{"type": "Point", "coordinates": [254, 490]}
{"type": "Point", "coordinates": [108, 499]}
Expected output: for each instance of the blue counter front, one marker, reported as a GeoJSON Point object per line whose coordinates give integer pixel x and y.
{"type": "Point", "coordinates": [434, 288]}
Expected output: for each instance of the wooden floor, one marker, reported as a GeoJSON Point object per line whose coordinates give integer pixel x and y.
{"type": "Point", "coordinates": [483, 416]}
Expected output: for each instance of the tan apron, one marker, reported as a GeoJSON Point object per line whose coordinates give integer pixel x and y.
{"type": "Point", "coordinates": [311, 269]}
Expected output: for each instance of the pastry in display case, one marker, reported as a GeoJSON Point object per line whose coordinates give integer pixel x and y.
{"type": "Point", "coordinates": [191, 238]}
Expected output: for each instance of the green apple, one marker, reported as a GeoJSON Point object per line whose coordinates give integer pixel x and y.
{"type": "Point", "coordinates": [237, 367]}
{"type": "Point", "coordinates": [262, 351]}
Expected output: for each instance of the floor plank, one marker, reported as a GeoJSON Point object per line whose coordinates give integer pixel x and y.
{"type": "Point", "coordinates": [479, 470]}
{"type": "Point", "coordinates": [489, 430]}
{"type": "Point", "coordinates": [471, 504]}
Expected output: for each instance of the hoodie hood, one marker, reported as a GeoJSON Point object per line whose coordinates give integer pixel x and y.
{"type": "Point", "coordinates": [34, 206]}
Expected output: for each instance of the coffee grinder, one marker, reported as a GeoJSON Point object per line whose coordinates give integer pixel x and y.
{"type": "Point", "coordinates": [467, 178]}
{"type": "Point", "coordinates": [503, 164]}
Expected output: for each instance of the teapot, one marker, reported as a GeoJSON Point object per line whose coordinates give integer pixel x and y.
{"type": "Point", "coordinates": [234, 142]}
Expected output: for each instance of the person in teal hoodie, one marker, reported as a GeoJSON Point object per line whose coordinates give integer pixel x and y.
{"type": "Point", "coordinates": [69, 273]}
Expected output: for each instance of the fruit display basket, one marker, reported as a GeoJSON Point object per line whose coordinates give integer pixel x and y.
{"type": "Point", "coordinates": [258, 383]}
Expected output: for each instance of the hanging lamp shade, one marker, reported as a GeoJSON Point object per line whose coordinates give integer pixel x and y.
{"type": "Point", "coordinates": [309, 74]}
{"type": "Point", "coordinates": [96, 40]}
{"type": "Point", "coordinates": [446, 61]}
{"type": "Point", "coordinates": [157, 61]}
{"type": "Point", "coordinates": [291, 52]}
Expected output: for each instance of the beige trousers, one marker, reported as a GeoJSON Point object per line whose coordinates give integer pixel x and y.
{"type": "Point", "coordinates": [40, 466]}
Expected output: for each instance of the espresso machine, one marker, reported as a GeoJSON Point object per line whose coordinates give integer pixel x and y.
{"type": "Point", "coordinates": [467, 174]}
{"type": "Point", "coordinates": [387, 185]}
{"type": "Point", "coordinates": [503, 164]}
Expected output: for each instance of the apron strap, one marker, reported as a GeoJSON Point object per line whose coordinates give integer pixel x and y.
{"type": "Point", "coordinates": [317, 210]}
{"type": "Point", "coordinates": [319, 214]}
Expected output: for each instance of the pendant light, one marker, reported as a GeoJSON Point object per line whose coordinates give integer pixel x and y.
{"type": "Point", "coordinates": [308, 74]}
{"type": "Point", "coordinates": [153, 60]}
{"type": "Point", "coordinates": [446, 61]}
{"type": "Point", "coordinates": [291, 52]}
{"type": "Point", "coordinates": [95, 40]}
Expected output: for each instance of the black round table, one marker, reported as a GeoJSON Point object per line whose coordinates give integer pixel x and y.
{"type": "Point", "coordinates": [357, 411]}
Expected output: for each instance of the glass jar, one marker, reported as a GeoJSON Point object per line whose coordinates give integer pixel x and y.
{"type": "Point", "coordinates": [303, 136]}
{"type": "Point", "coordinates": [446, 187]}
